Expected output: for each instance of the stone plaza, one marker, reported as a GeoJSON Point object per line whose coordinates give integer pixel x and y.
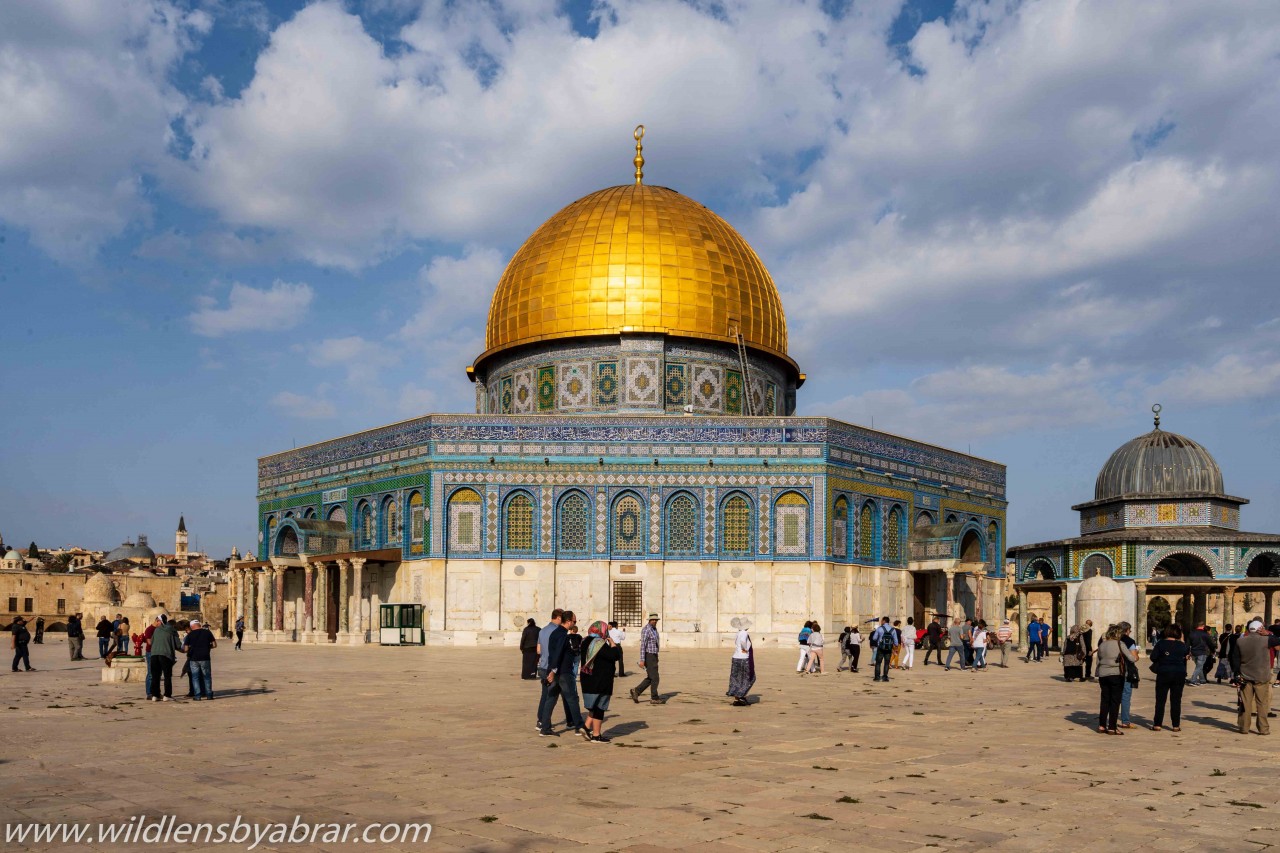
{"type": "Point", "coordinates": [934, 760]}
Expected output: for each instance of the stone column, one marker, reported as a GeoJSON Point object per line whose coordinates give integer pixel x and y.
{"type": "Point", "coordinates": [307, 629]}
{"type": "Point", "coordinates": [242, 578]}
{"type": "Point", "coordinates": [1022, 619]}
{"type": "Point", "coordinates": [277, 600]}
{"type": "Point", "coordinates": [1228, 606]}
{"type": "Point", "coordinates": [344, 599]}
{"type": "Point", "coordinates": [357, 593]}
{"type": "Point", "coordinates": [949, 578]}
{"type": "Point", "coordinates": [1267, 607]}
{"type": "Point", "coordinates": [264, 614]}
{"type": "Point", "coordinates": [978, 578]}
{"type": "Point", "coordinates": [319, 617]}
{"type": "Point", "coordinates": [1140, 613]}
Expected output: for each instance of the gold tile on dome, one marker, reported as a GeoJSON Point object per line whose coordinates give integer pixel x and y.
{"type": "Point", "coordinates": [641, 257]}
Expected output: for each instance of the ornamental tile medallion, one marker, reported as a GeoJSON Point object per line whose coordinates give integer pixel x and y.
{"type": "Point", "coordinates": [606, 387]}
{"type": "Point", "coordinates": [524, 393]}
{"type": "Point", "coordinates": [707, 388]}
{"type": "Point", "coordinates": [677, 386]}
{"type": "Point", "coordinates": [642, 386]}
{"type": "Point", "coordinates": [546, 388]}
{"type": "Point", "coordinates": [574, 380]}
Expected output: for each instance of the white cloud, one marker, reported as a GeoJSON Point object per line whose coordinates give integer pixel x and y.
{"type": "Point", "coordinates": [986, 400]}
{"type": "Point", "coordinates": [361, 360]}
{"type": "Point", "coordinates": [85, 109]}
{"type": "Point", "coordinates": [1232, 378]}
{"type": "Point", "coordinates": [281, 306]}
{"type": "Point", "coordinates": [302, 406]}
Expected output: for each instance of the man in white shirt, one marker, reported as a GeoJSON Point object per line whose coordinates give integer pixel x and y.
{"type": "Point", "coordinates": [618, 634]}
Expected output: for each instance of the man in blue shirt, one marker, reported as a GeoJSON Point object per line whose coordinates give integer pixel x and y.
{"type": "Point", "coordinates": [544, 649]}
{"type": "Point", "coordinates": [1033, 641]}
{"type": "Point", "coordinates": [560, 680]}
{"type": "Point", "coordinates": [883, 639]}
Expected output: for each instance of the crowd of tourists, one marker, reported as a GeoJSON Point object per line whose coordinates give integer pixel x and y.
{"type": "Point", "coordinates": [892, 645]}
{"type": "Point", "coordinates": [562, 661]}
{"type": "Point", "coordinates": [1246, 656]}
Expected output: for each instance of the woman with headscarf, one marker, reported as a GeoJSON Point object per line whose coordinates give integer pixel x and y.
{"type": "Point", "coordinates": [529, 651]}
{"type": "Point", "coordinates": [599, 665]}
{"type": "Point", "coordinates": [742, 669]}
{"type": "Point", "coordinates": [1073, 655]}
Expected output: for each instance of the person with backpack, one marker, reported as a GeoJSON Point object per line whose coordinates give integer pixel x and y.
{"type": "Point", "coordinates": [883, 639]}
{"type": "Point", "coordinates": [804, 647]}
{"type": "Point", "coordinates": [956, 633]}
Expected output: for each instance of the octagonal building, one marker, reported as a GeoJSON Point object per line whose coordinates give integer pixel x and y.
{"type": "Point", "coordinates": [634, 449]}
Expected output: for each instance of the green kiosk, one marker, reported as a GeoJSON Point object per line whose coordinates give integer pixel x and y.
{"type": "Point", "coordinates": [401, 625]}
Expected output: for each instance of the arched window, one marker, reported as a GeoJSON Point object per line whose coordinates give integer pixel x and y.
{"type": "Point", "coordinates": [574, 524]}
{"type": "Point", "coordinates": [893, 537]}
{"type": "Point", "coordinates": [840, 527]}
{"type": "Point", "coordinates": [924, 519]}
{"type": "Point", "coordinates": [1097, 564]}
{"type": "Point", "coordinates": [628, 526]}
{"type": "Point", "coordinates": [791, 525]}
{"type": "Point", "coordinates": [951, 518]}
{"type": "Point", "coordinates": [338, 513]}
{"type": "Point", "coordinates": [867, 532]}
{"type": "Point", "coordinates": [735, 526]}
{"type": "Point", "coordinates": [287, 544]}
{"type": "Point", "coordinates": [391, 522]}
{"type": "Point", "coordinates": [993, 544]}
{"type": "Point", "coordinates": [309, 512]}
{"type": "Point", "coordinates": [464, 521]}
{"type": "Point", "coordinates": [417, 523]}
{"type": "Point", "coordinates": [682, 525]}
{"type": "Point", "coordinates": [519, 523]}
{"type": "Point", "coordinates": [365, 514]}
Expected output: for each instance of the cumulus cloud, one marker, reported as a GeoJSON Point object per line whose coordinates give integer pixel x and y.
{"type": "Point", "coordinates": [281, 306]}
{"type": "Point", "coordinates": [303, 406]}
{"type": "Point", "coordinates": [85, 112]}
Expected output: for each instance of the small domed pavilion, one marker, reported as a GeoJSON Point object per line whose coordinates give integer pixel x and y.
{"type": "Point", "coordinates": [1162, 524]}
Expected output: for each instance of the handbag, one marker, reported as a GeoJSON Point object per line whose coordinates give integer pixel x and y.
{"type": "Point", "coordinates": [1129, 667]}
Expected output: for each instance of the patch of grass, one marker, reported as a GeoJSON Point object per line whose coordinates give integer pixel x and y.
{"type": "Point", "coordinates": [848, 799]}
{"type": "Point", "coordinates": [916, 776]}
{"type": "Point", "coordinates": [816, 816]}
{"type": "Point", "coordinates": [917, 713]}
{"type": "Point", "coordinates": [1217, 772]}
{"type": "Point", "coordinates": [819, 767]}
{"type": "Point", "coordinates": [1002, 801]}
{"type": "Point", "coordinates": [553, 746]}
{"type": "Point", "coordinates": [489, 818]}
{"type": "Point", "coordinates": [1243, 804]}
{"type": "Point", "coordinates": [1151, 808]}
{"type": "Point", "coordinates": [694, 720]}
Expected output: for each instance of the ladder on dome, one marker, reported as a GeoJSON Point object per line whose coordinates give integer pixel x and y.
{"type": "Point", "coordinates": [747, 405]}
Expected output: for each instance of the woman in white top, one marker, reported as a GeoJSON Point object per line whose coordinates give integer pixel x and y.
{"type": "Point", "coordinates": [742, 669]}
{"type": "Point", "coordinates": [908, 654]}
{"type": "Point", "coordinates": [816, 642]}
{"type": "Point", "coordinates": [980, 646]}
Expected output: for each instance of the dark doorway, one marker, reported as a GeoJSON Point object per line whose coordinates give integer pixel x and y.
{"type": "Point", "coordinates": [1264, 566]}
{"type": "Point", "coordinates": [331, 606]}
{"type": "Point", "coordinates": [971, 548]}
{"type": "Point", "coordinates": [1159, 614]}
{"type": "Point", "coordinates": [921, 596]}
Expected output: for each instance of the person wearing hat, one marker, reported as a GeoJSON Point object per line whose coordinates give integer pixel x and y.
{"type": "Point", "coordinates": [21, 639]}
{"type": "Point", "coordinates": [1251, 666]}
{"type": "Point", "coordinates": [649, 661]}
{"type": "Point", "coordinates": [198, 644]}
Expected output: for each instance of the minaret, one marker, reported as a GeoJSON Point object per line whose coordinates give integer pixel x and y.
{"type": "Point", "coordinates": [180, 541]}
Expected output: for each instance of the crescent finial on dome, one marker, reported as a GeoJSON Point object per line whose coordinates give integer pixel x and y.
{"type": "Point", "coordinates": [639, 160]}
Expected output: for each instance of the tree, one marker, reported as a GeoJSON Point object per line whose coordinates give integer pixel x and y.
{"type": "Point", "coordinates": [33, 552]}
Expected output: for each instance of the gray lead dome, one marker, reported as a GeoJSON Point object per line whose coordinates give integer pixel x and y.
{"type": "Point", "coordinates": [1161, 464]}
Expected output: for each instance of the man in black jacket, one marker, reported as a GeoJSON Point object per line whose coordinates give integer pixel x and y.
{"type": "Point", "coordinates": [1086, 640]}
{"type": "Point", "coordinates": [1201, 647]}
{"type": "Point", "coordinates": [106, 636]}
{"type": "Point", "coordinates": [560, 678]}
{"type": "Point", "coordinates": [934, 632]}
{"type": "Point", "coordinates": [75, 637]}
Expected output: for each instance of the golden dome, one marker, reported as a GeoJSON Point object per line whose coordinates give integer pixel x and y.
{"type": "Point", "coordinates": [636, 258]}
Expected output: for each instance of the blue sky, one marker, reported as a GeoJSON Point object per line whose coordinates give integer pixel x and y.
{"type": "Point", "coordinates": [229, 227]}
